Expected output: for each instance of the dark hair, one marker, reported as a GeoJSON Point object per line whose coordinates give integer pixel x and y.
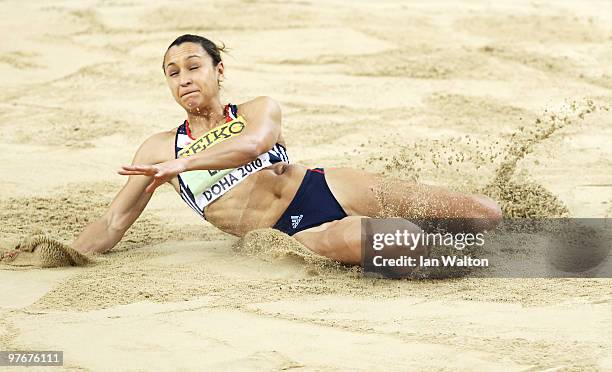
{"type": "Point", "coordinates": [211, 48]}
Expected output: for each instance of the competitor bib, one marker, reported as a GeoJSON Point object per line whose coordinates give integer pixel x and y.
{"type": "Point", "coordinates": [212, 184]}
{"type": "Point", "coordinates": [200, 180]}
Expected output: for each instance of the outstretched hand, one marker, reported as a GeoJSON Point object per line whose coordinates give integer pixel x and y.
{"type": "Point", "coordinates": [161, 172]}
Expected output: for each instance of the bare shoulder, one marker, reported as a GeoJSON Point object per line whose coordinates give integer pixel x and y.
{"type": "Point", "coordinates": [157, 148]}
{"type": "Point", "coordinates": [261, 106]}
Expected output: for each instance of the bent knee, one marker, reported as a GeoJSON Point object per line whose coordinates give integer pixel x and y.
{"type": "Point", "coordinates": [339, 240]}
{"type": "Point", "coordinates": [489, 213]}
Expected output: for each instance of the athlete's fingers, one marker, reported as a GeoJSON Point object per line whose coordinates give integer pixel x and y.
{"type": "Point", "coordinates": [129, 170]}
{"type": "Point", "coordinates": [141, 168]}
{"type": "Point", "coordinates": [154, 185]}
{"type": "Point", "coordinates": [129, 173]}
{"type": "Point", "coordinates": [126, 169]}
{"type": "Point", "coordinates": [10, 255]}
{"type": "Point", "coordinates": [133, 173]}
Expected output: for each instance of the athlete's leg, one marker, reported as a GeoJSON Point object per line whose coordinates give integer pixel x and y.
{"type": "Point", "coordinates": [340, 240]}
{"type": "Point", "coordinates": [367, 194]}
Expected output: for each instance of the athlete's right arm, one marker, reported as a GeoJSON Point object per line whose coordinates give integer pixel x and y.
{"type": "Point", "coordinates": [104, 233]}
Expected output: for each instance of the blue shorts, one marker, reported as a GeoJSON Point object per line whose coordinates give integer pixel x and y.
{"type": "Point", "coordinates": [313, 205]}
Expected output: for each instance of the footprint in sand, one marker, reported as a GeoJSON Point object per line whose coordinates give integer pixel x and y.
{"type": "Point", "coordinates": [42, 251]}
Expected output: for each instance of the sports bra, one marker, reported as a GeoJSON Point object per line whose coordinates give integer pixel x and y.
{"type": "Point", "coordinates": [199, 197]}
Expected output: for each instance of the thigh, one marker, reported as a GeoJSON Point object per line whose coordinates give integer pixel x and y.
{"type": "Point", "coordinates": [367, 194]}
{"type": "Point", "coordinates": [355, 190]}
{"type": "Point", "coordinates": [339, 240]}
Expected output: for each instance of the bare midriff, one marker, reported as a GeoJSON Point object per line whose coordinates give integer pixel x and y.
{"type": "Point", "coordinates": [258, 201]}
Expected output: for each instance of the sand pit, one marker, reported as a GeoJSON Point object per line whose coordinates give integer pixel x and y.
{"type": "Point", "coordinates": [509, 99]}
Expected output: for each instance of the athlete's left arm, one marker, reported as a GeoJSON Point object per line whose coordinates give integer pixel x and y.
{"type": "Point", "coordinates": [263, 127]}
{"type": "Point", "coordinates": [262, 130]}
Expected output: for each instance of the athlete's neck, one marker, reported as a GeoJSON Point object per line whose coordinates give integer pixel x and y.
{"type": "Point", "coordinates": [203, 119]}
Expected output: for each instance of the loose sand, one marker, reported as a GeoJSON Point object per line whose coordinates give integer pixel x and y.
{"type": "Point", "coordinates": [508, 99]}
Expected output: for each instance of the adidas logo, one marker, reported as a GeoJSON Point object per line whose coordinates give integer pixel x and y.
{"type": "Point", "coordinates": [295, 220]}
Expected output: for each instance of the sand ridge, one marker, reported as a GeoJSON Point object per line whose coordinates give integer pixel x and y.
{"type": "Point", "coordinates": [43, 251]}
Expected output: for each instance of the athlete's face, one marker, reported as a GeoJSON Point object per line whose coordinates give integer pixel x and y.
{"type": "Point", "coordinates": [191, 76]}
